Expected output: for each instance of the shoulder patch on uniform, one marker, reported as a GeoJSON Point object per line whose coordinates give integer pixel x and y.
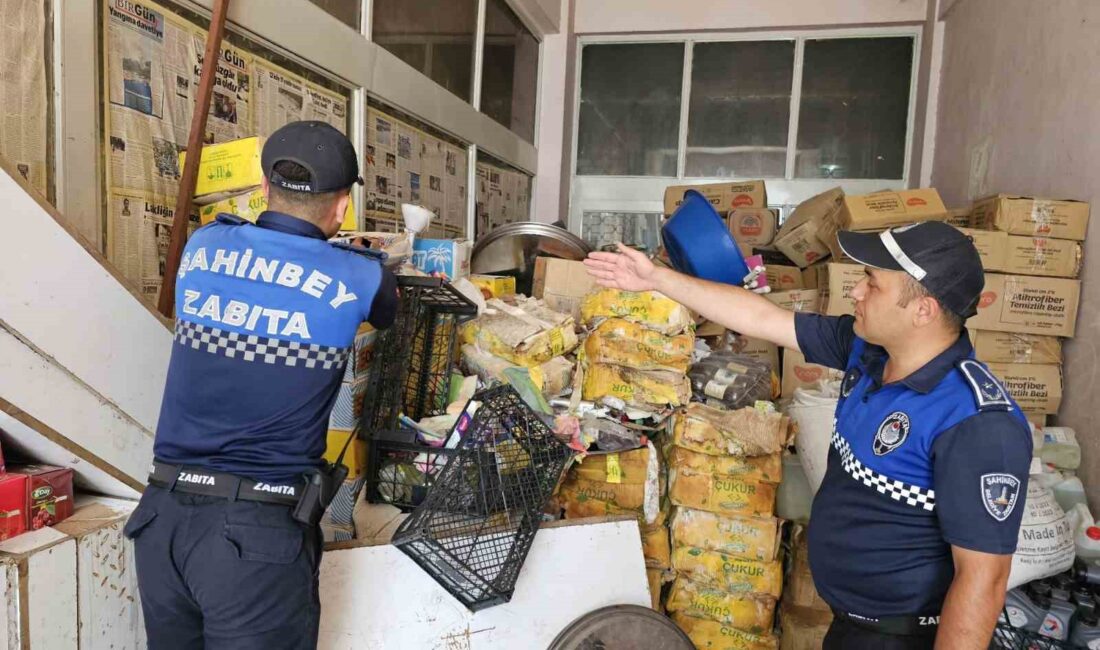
{"type": "Point", "coordinates": [989, 394]}
{"type": "Point", "coordinates": [999, 494]}
{"type": "Point", "coordinates": [376, 255]}
{"type": "Point", "coordinates": [230, 219]}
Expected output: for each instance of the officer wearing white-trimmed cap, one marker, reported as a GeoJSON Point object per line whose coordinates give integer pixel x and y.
{"type": "Point", "coordinates": [914, 525]}
{"type": "Point", "coordinates": [226, 536]}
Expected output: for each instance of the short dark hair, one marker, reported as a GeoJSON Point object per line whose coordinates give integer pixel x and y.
{"type": "Point", "coordinates": [914, 289]}
{"type": "Point", "coordinates": [299, 204]}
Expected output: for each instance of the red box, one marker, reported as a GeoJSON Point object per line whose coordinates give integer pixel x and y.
{"type": "Point", "coordinates": [48, 495]}
{"type": "Point", "coordinates": [13, 505]}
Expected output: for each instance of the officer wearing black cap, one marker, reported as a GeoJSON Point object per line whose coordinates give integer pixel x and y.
{"type": "Point", "coordinates": [226, 535]}
{"type": "Point", "coordinates": [913, 527]}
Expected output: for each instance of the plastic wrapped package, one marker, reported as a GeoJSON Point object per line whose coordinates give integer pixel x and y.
{"type": "Point", "coordinates": [735, 575]}
{"type": "Point", "coordinates": [731, 381]}
{"type": "Point", "coordinates": [744, 432]}
{"type": "Point", "coordinates": [611, 436]}
{"type": "Point", "coordinates": [553, 377]}
{"type": "Point", "coordinates": [649, 308]}
{"type": "Point", "coordinates": [751, 538]}
{"type": "Point", "coordinates": [712, 635]}
{"type": "Point", "coordinates": [768, 469]}
{"type": "Point", "coordinates": [722, 494]}
{"type": "Point", "coordinates": [623, 343]}
{"type": "Point", "coordinates": [752, 613]}
{"type": "Point", "coordinates": [639, 388]}
{"type": "Point", "coordinates": [527, 335]}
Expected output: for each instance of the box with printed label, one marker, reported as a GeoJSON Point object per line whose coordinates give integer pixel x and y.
{"type": "Point", "coordinates": [49, 497]}
{"type": "Point", "coordinates": [13, 505]}
{"type": "Point", "coordinates": [743, 194]}
{"type": "Point", "coordinates": [753, 227]}
{"type": "Point", "coordinates": [784, 278]}
{"type": "Point", "coordinates": [713, 192]}
{"type": "Point", "coordinates": [835, 282]}
{"type": "Point", "coordinates": [827, 234]}
{"type": "Point", "coordinates": [799, 373]}
{"type": "Point", "coordinates": [758, 349]}
{"type": "Point", "coordinates": [1036, 387]}
{"type": "Point", "coordinates": [494, 286]}
{"type": "Point", "coordinates": [563, 284]}
{"type": "Point", "coordinates": [1058, 258]}
{"type": "Point", "coordinates": [796, 299]}
{"type": "Point", "coordinates": [959, 217]}
{"type": "Point", "coordinates": [446, 258]}
{"type": "Point", "coordinates": [1011, 347]}
{"type": "Point", "coordinates": [228, 167]}
{"type": "Point", "coordinates": [887, 209]}
{"type": "Point", "coordinates": [992, 246]}
{"type": "Point", "coordinates": [1028, 305]}
{"type": "Point", "coordinates": [799, 237]}
{"type": "Point", "coordinates": [248, 206]}
{"type": "Point", "coordinates": [1023, 215]}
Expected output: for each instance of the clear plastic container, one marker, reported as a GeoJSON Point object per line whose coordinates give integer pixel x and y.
{"type": "Point", "coordinates": [729, 380]}
{"type": "Point", "coordinates": [1070, 493]}
{"type": "Point", "coordinates": [794, 497]}
{"type": "Point", "coordinates": [1060, 448]}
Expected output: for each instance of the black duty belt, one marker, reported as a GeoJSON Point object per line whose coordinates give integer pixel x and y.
{"type": "Point", "coordinates": [192, 480]}
{"type": "Point", "coordinates": [897, 625]}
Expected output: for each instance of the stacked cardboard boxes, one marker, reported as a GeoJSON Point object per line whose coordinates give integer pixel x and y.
{"type": "Point", "coordinates": [724, 467]}
{"type": "Point", "coordinates": [1031, 251]}
{"type": "Point", "coordinates": [744, 206]}
{"type": "Point", "coordinates": [805, 617]}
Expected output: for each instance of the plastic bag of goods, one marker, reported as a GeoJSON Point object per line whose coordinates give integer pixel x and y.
{"type": "Point", "coordinates": [712, 635]}
{"type": "Point", "coordinates": [751, 538]}
{"type": "Point", "coordinates": [727, 495]}
{"type": "Point", "coordinates": [619, 481]}
{"type": "Point", "coordinates": [647, 308]}
{"type": "Point", "coordinates": [1060, 448]}
{"type": "Point", "coordinates": [1045, 546]}
{"type": "Point", "coordinates": [731, 381]}
{"type": "Point", "coordinates": [744, 432]}
{"type": "Point", "coordinates": [552, 377]}
{"type": "Point", "coordinates": [645, 389]}
{"type": "Point", "coordinates": [814, 410]}
{"type": "Point", "coordinates": [728, 573]}
{"type": "Point", "coordinates": [527, 334]}
{"type": "Point", "coordinates": [768, 469]}
{"type": "Point", "coordinates": [753, 613]}
{"type": "Point", "coordinates": [624, 343]}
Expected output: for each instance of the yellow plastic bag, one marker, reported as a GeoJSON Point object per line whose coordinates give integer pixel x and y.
{"type": "Point", "coordinates": [749, 612]}
{"type": "Point", "coordinates": [726, 495]}
{"type": "Point", "coordinates": [648, 308]}
{"type": "Point", "coordinates": [732, 574]}
{"type": "Point", "coordinates": [711, 635]}
{"type": "Point", "coordinates": [751, 538]}
{"type": "Point", "coordinates": [623, 343]}
{"type": "Point", "coordinates": [640, 388]}
{"type": "Point", "coordinates": [744, 432]}
{"type": "Point", "coordinates": [766, 469]}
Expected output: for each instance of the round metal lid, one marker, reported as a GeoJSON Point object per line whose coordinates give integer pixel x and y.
{"type": "Point", "coordinates": [622, 627]}
{"type": "Point", "coordinates": [512, 249]}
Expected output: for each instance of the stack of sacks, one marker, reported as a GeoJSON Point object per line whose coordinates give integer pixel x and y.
{"type": "Point", "coordinates": [638, 351]}
{"type": "Point", "coordinates": [724, 468]}
{"type": "Point", "coordinates": [527, 334]}
{"type": "Point", "coordinates": [628, 482]}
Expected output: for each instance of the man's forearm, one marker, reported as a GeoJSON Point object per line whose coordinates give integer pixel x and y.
{"type": "Point", "coordinates": [970, 611]}
{"type": "Point", "coordinates": [732, 307]}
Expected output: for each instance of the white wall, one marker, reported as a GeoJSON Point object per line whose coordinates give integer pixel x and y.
{"type": "Point", "coordinates": [1019, 90]}
{"type": "Point", "coordinates": [546, 205]}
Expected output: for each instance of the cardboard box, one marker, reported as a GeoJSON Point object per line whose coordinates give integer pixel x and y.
{"type": "Point", "coordinates": [494, 286]}
{"type": "Point", "coordinates": [784, 278]}
{"type": "Point", "coordinates": [798, 373]}
{"type": "Point", "coordinates": [446, 258]}
{"type": "Point", "coordinates": [49, 496]}
{"type": "Point", "coordinates": [1028, 305]}
{"type": "Point", "coordinates": [810, 275]}
{"type": "Point", "coordinates": [835, 282]}
{"type": "Point", "coordinates": [799, 238]}
{"type": "Point", "coordinates": [1036, 387]}
{"type": "Point", "coordinates": [563, 284]}
{"type": "Point", "coordinates": [13, 505]}
{"type": "Point", "coordinates": [827, 234]}
{"type": "Point", "coordinates": [802, 628]}
{"type": "Point", "coordinates": [883, 210]}
{"type": "Point", "coordinates": [674, 195]}
{"type": "Point", "coordinates": [725, 196]}
{"type": "Point", "coordinates": [796, 299]}
{"type": "Point", "coordinates": [992, 247]}
{"type": "Point", "coordinates": [758, 349]}
{"type": "Point", "coordinates": [1022, 215]}
{"type": "Point", "coordinates": [959, 217]}
{"type": "Point", "coordinates": [248, 205]}
{"type": "Point", "coordinates": [1058, 258]}
{"type": "Point", "coordinates": [228, 167]}
{"type": "Point", "coordinates": [1010, 347]}
{"type": "Point", "coordinates": [799, 590]}
{"type": "Point", "coordinates": [753, 227]}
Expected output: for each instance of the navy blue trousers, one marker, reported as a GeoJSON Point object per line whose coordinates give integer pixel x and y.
{"type": "Point", "coordinates": [217, 574]}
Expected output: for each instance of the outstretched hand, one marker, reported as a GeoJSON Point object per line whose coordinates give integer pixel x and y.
{"type": "Point", "coordinates": [628, 270]}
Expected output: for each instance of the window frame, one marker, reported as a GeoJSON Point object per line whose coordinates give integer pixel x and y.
{"type": "Point", "coordinates": [596, 192]}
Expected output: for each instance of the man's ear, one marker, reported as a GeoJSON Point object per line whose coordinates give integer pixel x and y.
{"type": "Point", "coordinates": [265, 187]}
{"type": "Point", "coordinates": [928, 311]}
{"type": "Point", "coordinates": [341, 207]}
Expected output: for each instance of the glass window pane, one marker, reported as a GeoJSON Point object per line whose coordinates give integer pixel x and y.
{"type": "Point", "coordinates": [510, 70]}
{"type": "Point", "coordinates": [638, 229]}
{"type": "Point", "coordinates": [346, 10]}
{"type": "Point", "coordinates": [740, 109]}
{"type": "Point", "coordinates": [630, 109]}
{"type": "Point", "coordinates": [855, 108]}
{"type": "Point", "coordinates": [436, 38]}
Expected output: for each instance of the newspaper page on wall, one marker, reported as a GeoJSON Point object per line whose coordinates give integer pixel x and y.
{"type": "Point", "coordinates": [283, 97]}
{"type": "Point", "coordinates": [503, 197]}
{"type": "Point", "coordinates": [407, 165]}
{"type": "Point", "coordinates": [23, 138]}
{"type": "Point", "coordinates": [142, 229]}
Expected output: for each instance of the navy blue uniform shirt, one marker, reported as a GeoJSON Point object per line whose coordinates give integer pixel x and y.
{"type": "Point", "coordinates": [266, 315]}
{"type": "Point", "coordinates": [937, 459]}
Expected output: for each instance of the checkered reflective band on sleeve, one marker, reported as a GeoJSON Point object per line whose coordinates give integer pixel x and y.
{"type": "Point", "coordinates": [249, 347]}
{"type": "Point", "coordinates": [898, 491]}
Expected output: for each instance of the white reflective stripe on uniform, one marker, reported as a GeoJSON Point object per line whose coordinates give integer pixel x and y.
{"type": "Point", "coordinates": [899, 255]}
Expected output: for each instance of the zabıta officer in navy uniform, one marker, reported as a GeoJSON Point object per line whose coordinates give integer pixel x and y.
{"type": "Point", "coordinates": [226, 535]}
{"type": "Point", "coordinates": [913, 528]}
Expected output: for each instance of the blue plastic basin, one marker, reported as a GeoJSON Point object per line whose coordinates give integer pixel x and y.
{"type": "Point", "coordinates": [700, 244]}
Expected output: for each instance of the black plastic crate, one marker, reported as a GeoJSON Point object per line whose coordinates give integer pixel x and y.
{"type": "Point", "coordinates": [411, 368]}
{"type": "Point", "coordinates": [400, 470]}
{"type": "Point", "coordinates": [1013, 638]}
{"type": "Point", "coordinates": [474, 529]}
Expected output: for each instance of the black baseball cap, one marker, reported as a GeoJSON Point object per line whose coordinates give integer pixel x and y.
{"type": "Point", "coordinates": [324, 152]}
{"type": "Point", "coordinates": [940, 257]}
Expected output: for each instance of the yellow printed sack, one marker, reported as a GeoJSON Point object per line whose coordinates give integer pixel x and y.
{"type": "Point", "coordinates": [648, 308]}
{"type": "Point", "coordinates": [623, 343]}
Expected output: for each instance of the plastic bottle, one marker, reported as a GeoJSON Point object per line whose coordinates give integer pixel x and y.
{"type": "Point", "coordinates": [1060, 448]}
{"type": "Point", "coordinates": [1086, 632]}
{"type": "Point", "coordinates": [1059, 618]}
{"type": "Point", "coordinates": [1069, 493]}
{"type": "Point", "coordinates": [1087, 572]}
{"type": "Point", "coordinates": [1023, 612]}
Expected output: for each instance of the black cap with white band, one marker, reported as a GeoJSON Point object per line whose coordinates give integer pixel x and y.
{"type": "Point", "coordinates": [323, 151]}
{"type": "Point", "coordinates": [940, 257]}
